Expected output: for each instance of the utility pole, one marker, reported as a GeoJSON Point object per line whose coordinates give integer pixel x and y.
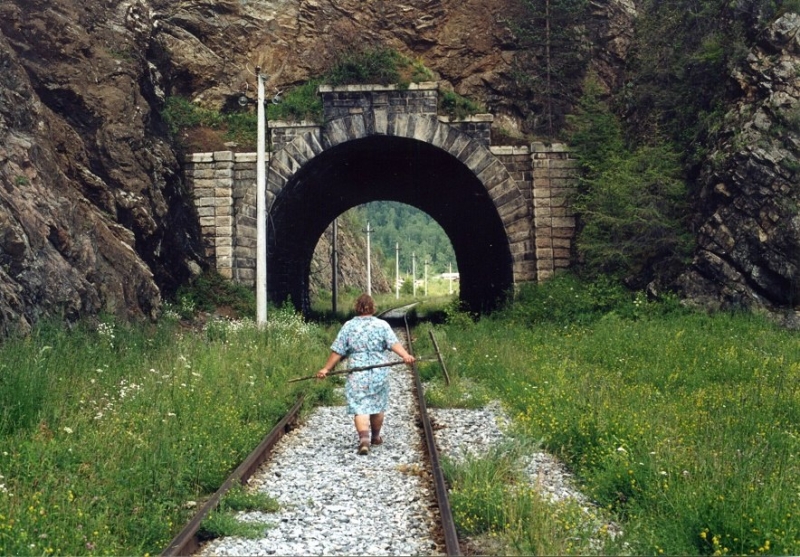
{"type": "Point", "coordinates": [451, 278]}
{"type": "Point", "coordinates": [369, 263]}
{"type": "Point", "coordinates": [426, 276]}
{"type": "Point", "coordinates": [261, 207]}
{"type": "Point", "coordinates": [334, 266]}
{"type": "Point", "coordinates": [414, 272]}
{"type": "Point", "coordinates": [397, 271]}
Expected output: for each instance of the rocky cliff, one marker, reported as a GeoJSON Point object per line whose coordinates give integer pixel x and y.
{"type": "Point", "coordinates": [748, 216]}
{"type": "Point", "coordinates": [94, 215]}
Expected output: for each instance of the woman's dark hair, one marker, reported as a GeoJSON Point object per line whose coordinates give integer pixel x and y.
{"type": "Point", "coordinates": [365, 305]}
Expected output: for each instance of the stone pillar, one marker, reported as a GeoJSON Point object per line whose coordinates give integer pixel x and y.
{"type": "Point", "coordinates": [517, 161]}
{"type": "Point", "coordinates": [211, 177]}
{"type": "Point", "coordinates": [555, 177]}
{"type": "Point", "coordinates": [245, 213]}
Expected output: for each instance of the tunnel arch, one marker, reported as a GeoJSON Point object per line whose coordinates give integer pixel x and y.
{"type": "Point", "coordinates": [422, 163]}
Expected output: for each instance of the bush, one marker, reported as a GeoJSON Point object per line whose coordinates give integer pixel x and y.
{"type": "Point", "coordinates": [209, 291]}
{"type": "Point", "coordinates": [456, 106]}
{"type": "Point", "coordinates": [379, 65]}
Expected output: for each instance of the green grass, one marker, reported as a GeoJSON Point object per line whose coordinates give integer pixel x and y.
{"type": "Point", "coordinates": [223, 521]}
{"type": "Point", "coordinates": [107, 433]}
{"type": "Point", "coordinates": [683, 426]}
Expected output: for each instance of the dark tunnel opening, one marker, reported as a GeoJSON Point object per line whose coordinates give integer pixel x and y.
{"type": "Point", "coordinates": [384, 168]}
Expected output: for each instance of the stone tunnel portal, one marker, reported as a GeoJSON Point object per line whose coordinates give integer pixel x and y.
{"type": "Point", "coordinates": [388, 168]}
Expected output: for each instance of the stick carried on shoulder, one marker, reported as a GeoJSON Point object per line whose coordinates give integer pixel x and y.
{"type": "Point", "coordinates": [353, 369]}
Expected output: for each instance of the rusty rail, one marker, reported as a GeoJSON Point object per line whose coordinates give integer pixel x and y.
{"type": "Point", "coordinates": [440, 486]}
{"type": "Point", "coordinates": [187, 541]}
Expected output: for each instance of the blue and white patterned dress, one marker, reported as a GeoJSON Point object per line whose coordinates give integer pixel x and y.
{"type": "Point", "coordinates": [365, 340]}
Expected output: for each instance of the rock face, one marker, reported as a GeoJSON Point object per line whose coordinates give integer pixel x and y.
{"type": "Point", "coordinates": [749, 228]}
{"type": "Point", "coordinates": [92, 213]}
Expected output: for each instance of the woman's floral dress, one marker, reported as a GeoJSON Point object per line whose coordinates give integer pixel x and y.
{"type": "Point", "coordinates": [364, 340]}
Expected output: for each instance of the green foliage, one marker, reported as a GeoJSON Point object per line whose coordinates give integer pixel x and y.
{"type": "Point", "coordinates": [300, 103]}
{"type": "Point", "coordinates": [367, 65]}
{"type": "Point", "coordinates": [180, 113]}
{"type": "Point", "coordinates": [551, 61]}
{"type": "Point", "coordinates": [209, 291]}
{"type": "Point", "coordinates": [633, 205]}
{"type": "Point", "coordinates": [489, 495]}
{"type": "Point", "coordinates": [456, 106]}
{"type": "Point", "coordinates": [686, 52]}
{"type": "Point", "coordinates": [407, 287]}
{"type": "Point", "coordinates": [417, 233]}
{"type": "Point", "coordinates": [222, 521]}
{"type": "Point", "coordinates": [219, 524]}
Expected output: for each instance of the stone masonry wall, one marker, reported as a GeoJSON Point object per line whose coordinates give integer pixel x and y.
{"type": "Point", "coordinates": [554, 182]}
{"type": "Point", "coordinates": [224, 185]}
{"type": "Point", "coordinates": [517, 161]}
{"type": "Point", "coordinates": [224, 190]}
{"type": "Point", "coordinates": [419, 98]}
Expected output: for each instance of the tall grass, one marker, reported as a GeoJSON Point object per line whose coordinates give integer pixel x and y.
{"type": "Point", "coordinates": [682, 425]}
{"type": "Point", "coordinates": [109, 435]}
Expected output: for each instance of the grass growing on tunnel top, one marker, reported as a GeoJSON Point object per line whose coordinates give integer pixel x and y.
{"type": "Point", "coordinates": [683, 426]}
{"type": "Point", "coordinates": [108, 433]}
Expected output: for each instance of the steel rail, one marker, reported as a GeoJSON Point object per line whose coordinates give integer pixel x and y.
{"type": "Point", "coordinates": [187, 541]}
{"type": "Point", "coordinates": [440, 486]}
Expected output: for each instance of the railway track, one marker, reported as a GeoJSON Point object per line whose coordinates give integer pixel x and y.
{"type": "Point", "coordinates": [393, 501]}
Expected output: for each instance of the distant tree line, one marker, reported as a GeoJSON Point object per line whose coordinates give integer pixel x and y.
{"type": "Point", "coordinates": [415, 231]}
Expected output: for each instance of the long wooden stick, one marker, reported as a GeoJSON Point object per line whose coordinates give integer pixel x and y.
{"type": "Point", "coordinates": [353, 369]}
{"type": "Point", "coordinates": [441, 360]}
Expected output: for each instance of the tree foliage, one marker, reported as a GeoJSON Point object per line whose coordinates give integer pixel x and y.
{"type": "Point", "coordinates": [682, 65]}
{"type": "Point", "coordinates": [552, 60]}
{"type": "Point", "coordinates": [416, 233]}
{"type": "Point", "coordinates": [632, 201]}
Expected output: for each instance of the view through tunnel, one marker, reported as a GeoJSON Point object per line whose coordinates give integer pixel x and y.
{"type": "Point", "coordinates": [386, 168]}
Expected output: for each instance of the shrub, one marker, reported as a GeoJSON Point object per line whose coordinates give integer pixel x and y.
{"type": "Point", "coordinates": [456, 106]}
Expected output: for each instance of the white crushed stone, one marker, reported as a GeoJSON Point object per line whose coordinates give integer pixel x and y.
{"type": "Point", "coordinates": [335, 502]}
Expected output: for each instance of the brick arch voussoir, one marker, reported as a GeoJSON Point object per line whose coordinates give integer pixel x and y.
{"type": "Point", "coordinates": [284, 163]}
{"type": "Point", "coordinates": [503, 189]}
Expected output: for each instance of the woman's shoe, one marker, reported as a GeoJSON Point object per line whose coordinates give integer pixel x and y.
{"type": "Point", "coordinates": [363, 448]}
{"type": "Point", "coordinates": [377, 440]}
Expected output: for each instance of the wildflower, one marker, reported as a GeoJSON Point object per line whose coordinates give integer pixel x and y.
{"type": "Point", "coordinates": [621, 450]}
{"type": "Point", "coordinates": [67, 429]}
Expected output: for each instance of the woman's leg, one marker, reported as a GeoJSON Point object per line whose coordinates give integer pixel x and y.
{"type": "Point", "coordinates": [376, 423]}
{"type": "Point", "coordinates": [362, 422]}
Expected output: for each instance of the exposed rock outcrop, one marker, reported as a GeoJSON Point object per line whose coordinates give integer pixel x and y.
{"type": "Point", "coordinates": [93, 217]}
{"type": "Point", "coordinates": [749, 232]}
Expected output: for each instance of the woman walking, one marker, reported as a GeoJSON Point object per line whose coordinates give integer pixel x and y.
{"type": "Point", "coordinates": [365, 339]}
